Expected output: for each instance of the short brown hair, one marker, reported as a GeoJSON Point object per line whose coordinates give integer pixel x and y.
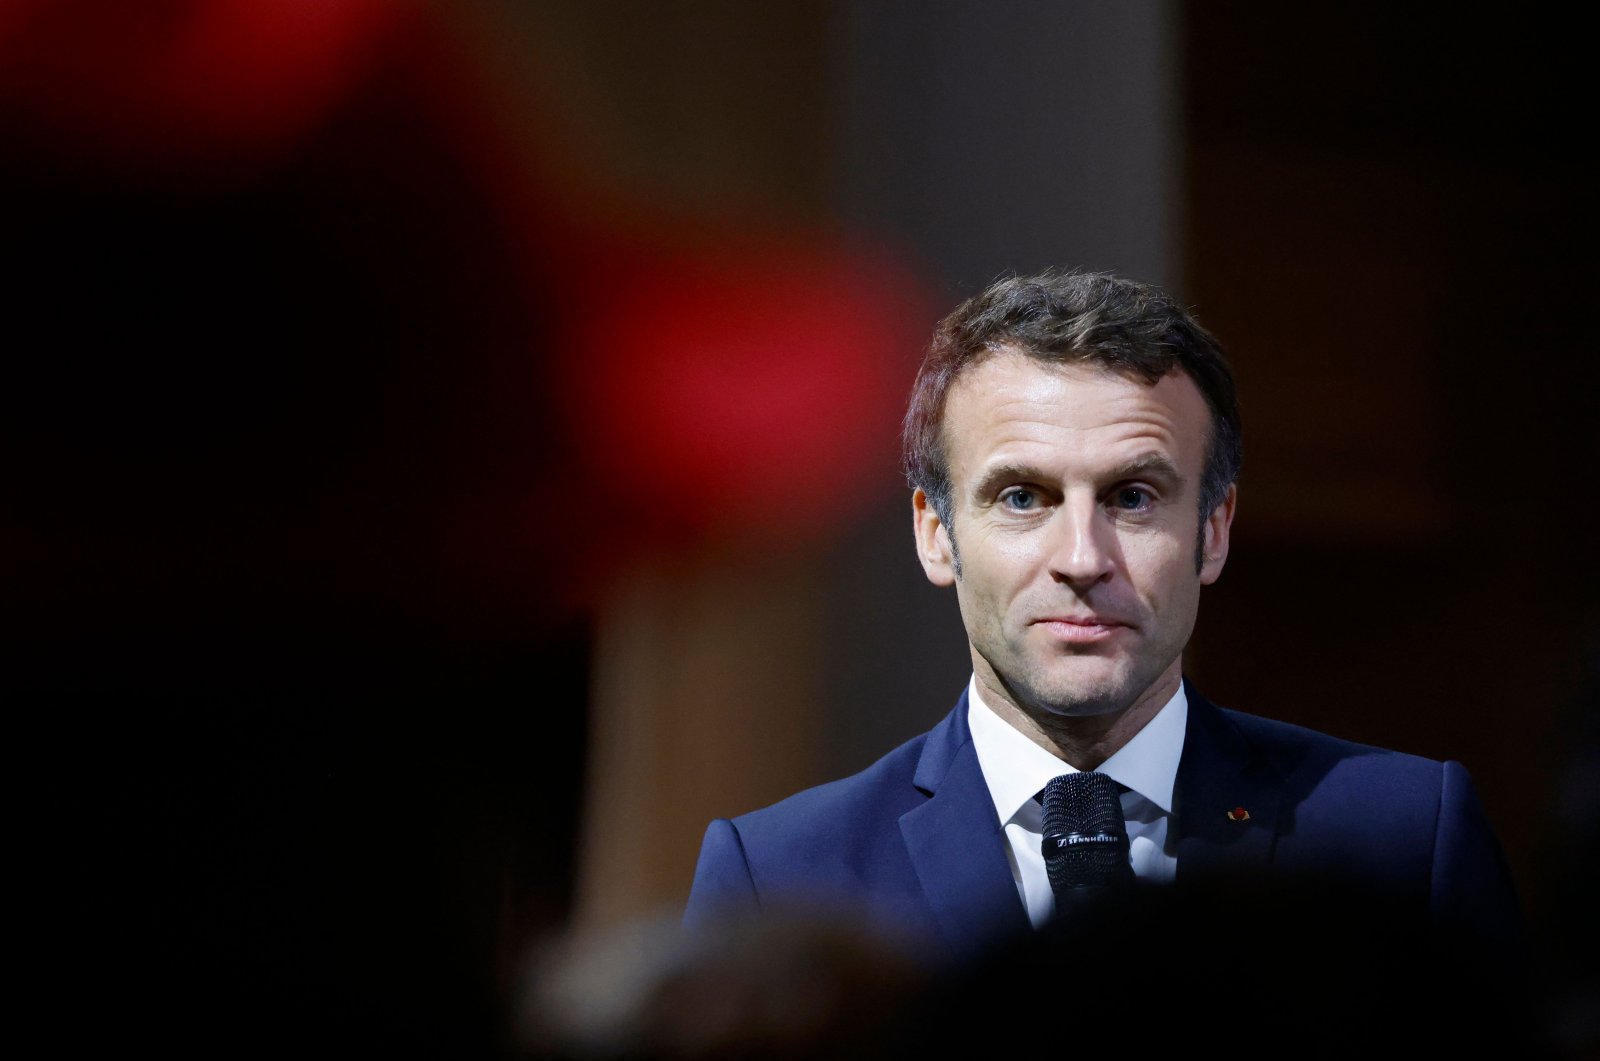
{"type": "Point", "coordinates": [1072, 317]}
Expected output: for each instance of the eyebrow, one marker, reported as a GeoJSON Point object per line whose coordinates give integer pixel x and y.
{"type": "Point", "coordinates": [1004, 475]}
{"type": "Point", "coordinates": [1151, 465]}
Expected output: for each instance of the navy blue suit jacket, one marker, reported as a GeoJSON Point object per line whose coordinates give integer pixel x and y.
{"type": "Point", "coordinates": [913, 841]}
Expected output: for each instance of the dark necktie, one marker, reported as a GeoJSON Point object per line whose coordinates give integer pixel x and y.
{"type": "Point", "coordinates": [1085, 838]}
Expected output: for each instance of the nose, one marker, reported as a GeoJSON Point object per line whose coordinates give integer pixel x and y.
{"type": "Point", "coordinates": [1083, 549]}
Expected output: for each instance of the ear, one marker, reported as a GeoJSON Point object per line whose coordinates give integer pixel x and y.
{"type": "Point", "coordinates": [1214, 552]}
{"type": "Point", "coordinates": [933, 541]}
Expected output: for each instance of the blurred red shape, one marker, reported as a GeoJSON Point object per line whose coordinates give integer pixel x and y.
{"type": "Point", "coordinates": [181, 83]}
{"type": "Point", "coordinates": [749, 388]}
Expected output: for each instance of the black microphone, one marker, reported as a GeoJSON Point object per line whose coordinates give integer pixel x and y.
{"type": "Point", "coordinates": [1085, 838]}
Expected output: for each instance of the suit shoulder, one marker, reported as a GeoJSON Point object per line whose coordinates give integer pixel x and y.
{"type": "Point", "coordinates": [1293, 749]}
{"type": "Point", "coordinates": [884, 788]}
{"type": "Point", "coordinates": [837, 846]}
{"type": "Point", "coordinates": [1330, 777]}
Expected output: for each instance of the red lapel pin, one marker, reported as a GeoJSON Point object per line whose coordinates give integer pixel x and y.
{"type": "Point", "coordinates": [1238, 814]}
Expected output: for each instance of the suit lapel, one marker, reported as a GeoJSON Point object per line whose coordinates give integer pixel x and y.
{"type": "Point", "coordinates": [955, 843]}
{"type": "Point", "coordinates": [1219, 775]}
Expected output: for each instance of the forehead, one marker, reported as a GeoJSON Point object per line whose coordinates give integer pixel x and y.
{"type": "Point", "coordinates": [1012, 408]}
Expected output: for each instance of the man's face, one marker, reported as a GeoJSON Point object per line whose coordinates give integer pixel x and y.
{"type": "Point", "coordinates": [1075, 495]}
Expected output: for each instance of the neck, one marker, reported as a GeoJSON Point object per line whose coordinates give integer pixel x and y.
{"type": "Point", "coordinates": [1084, 741]}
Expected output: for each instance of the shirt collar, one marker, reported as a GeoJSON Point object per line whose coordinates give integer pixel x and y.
{"type": "Point", "coordinates": [1015, 768]}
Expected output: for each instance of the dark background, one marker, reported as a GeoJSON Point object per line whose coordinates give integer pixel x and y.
{"type": "Point", "coordinates": [302, 549]}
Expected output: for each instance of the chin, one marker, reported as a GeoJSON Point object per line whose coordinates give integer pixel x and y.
{"type": "Point", "coordinates": [1086, 706]}
{"type": "Point", "coordinates": [1083, 699]}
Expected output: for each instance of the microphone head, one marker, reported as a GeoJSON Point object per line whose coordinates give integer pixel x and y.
{"type": "Point", "coordinates": [1085, 836]}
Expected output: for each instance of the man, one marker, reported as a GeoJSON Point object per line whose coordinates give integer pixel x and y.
{"type": "Point", "coordinates": [1073, 445]}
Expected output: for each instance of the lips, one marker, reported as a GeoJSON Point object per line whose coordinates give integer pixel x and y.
{"type": "Point", "coordinates": [1083, 620]}
{"type": "Point", "coordinates": [1081, 629]}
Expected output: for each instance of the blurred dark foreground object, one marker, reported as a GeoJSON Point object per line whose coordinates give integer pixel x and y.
{"type": "Point", "coordinates": [1291, 969]}
{"type": "Point", "coordinates": [783, 987]}
{"type": "Point", "coordinates": [1261, 969]}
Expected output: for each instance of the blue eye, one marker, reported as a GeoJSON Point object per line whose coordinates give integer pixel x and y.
{"type": "Point", "coordinates": [1132, 497]}
{"type": "Point", "coordinates": [1019, 498]}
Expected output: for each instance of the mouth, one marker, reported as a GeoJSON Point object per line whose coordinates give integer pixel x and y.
{"type": "Point", "coordinates": [1081, 630]}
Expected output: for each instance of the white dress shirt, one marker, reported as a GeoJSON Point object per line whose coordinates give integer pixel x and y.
{"type": "Point", "coordinates": [1016, 769]}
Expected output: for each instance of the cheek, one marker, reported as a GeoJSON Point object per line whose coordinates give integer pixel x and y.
{"type": "Point", "coordinates": [994, 555]}
{"type": "Point", "coordinates": [1162, 570]}
{"type": "Point", "coordinates": [1013, 558]}
{"type": "Point", "coordinates": [993, 575]}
